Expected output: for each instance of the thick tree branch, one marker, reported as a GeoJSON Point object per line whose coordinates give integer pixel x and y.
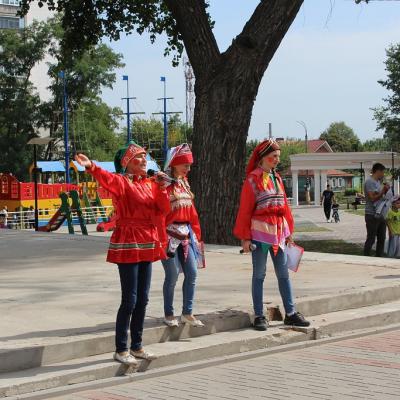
{"type": "Point", "coordinates": [263, 33]}
{"type": "Point", "coordinates": [194, 27]}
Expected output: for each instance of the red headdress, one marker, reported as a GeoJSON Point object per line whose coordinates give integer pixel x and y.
{"type": "Point", "coordinates": [131, 152]}
{"type": "Point", "coordinates": [179, 155]}
{"type": "Point", "coordinates": [262, 149]}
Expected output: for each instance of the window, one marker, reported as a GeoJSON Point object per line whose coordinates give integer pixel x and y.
{"type": "Point", "coordinates": [10, 2]}
{"type": "Point", "coordinates": [9, 23]}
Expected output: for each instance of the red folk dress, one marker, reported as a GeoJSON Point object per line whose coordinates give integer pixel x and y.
{"type": "Point", "coordinates": [264, 214]}
{"type": "Point", "coordinates": [182, 207]}
{"type": "Point", "coordinates": [141, 206]}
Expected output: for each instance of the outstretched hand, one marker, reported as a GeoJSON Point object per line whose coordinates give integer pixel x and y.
{"type": "Point", "coordinates": [83, 161]}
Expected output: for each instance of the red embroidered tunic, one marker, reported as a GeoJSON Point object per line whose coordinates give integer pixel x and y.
{"type": "Point", "coordinates": [182, 206]}
{"type": "Point", "coordinates": [264, 214]}
{"type": "Point", "coordinates": [139, 234]}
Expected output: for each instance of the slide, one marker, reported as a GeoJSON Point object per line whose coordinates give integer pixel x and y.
{"type": "Point", "coordinates": [55, 222]}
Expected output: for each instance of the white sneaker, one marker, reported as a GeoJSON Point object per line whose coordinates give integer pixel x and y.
{"type": "Point", "coordinates": [171, 322]}
{"type": "Point", "coordinates": [196, 322]}
{"type": "Point", "coordinates": [144, 355]}
{"type": "Point", "coordinates": [125, 358]}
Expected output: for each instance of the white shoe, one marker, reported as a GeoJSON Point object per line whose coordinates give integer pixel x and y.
{"type": "Point", "coordinates": [171, 322]}
{"type": "Point", "coordinates": [125, 358]}
{"type": "Point", "coordinates": [196, 322]}
{"type": "Point", "coordinates": [144, 355]}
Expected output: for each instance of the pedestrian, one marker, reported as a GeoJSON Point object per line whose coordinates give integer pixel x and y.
{"type": "Point", "coordinates": [4, 212]}
{"type": "Point", "coordinates": [375, 223]}
{"type": "Point", "coordinates": [30, 216]}
{"type": "Point", "coordinates": [2, 220]}
{"type": "Point", "coordinates": [393, 223]}
{"type": "Point", "coordinates": [184, 235]}
{"type": "Point", "coordinates": [137, 240]}
{"type": "Point", "coordinates": [265, 220]}
{"type": "Point", "coordinates": [327, 199]}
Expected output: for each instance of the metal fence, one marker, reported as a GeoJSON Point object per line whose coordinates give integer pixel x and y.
{"type": "Point", "coordinates": [26, 219]}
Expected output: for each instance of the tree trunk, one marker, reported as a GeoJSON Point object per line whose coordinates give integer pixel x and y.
{"type": "Point", "coordinates": [224, 102]}
{"type": "Point", "coordinates": [221, 122]}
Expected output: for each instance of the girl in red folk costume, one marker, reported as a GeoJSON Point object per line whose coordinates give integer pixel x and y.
{"type": "Point", "coordinates": [265, 224]}
{"type": "Point", "coordinates": [184, 234]}
{"type": "Point", "coordinates": [138, 239]}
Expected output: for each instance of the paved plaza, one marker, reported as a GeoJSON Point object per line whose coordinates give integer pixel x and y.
{"type": "Point", "coordinates": [367, 368]}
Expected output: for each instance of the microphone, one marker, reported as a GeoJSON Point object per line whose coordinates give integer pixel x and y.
{"type": "Point", "coordinates": [166, 178]}
{"type": "Point", "coordinates": [252, 248]}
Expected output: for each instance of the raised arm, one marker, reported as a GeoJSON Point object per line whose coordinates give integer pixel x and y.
{"type": "Point", "coordinates": [107, 180]}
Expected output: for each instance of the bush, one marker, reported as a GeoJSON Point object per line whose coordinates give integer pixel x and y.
{"type": "Point", "coordinates": [350, 192]}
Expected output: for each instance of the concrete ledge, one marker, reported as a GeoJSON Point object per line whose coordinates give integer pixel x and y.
{"type": "Point", "coordinates": [14, 356]}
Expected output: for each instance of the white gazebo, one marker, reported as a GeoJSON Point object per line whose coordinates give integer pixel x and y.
{"type": "Point", "coordinates": [320, 163]}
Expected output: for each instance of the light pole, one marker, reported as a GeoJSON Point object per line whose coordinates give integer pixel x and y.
{"type": "Point", "coordinates": [307, 185]}
{"type": "Point", "coordinates": [128, 113]}
{"type": "Point", "coordinates": [164, 113]}
{"type": "Point", "coordinates": [35, 142]}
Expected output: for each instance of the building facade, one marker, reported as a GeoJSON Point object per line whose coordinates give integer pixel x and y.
{"type": "Point", "coordinates": [8, 15]}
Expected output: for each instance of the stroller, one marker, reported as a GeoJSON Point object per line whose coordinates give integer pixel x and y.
{"type": "Point", "coordinates": [335, 212]}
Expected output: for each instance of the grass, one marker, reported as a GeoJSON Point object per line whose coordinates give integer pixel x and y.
{"type": "Point", "coordinates": [309, 228]}
{"type": "Point", "coordinates": [331, 246]}
{"type": "Point", "coordinates": [356, 212]}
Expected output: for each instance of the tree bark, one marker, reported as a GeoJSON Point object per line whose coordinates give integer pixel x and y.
{"type": "Point", "coordinates": [226, 87]}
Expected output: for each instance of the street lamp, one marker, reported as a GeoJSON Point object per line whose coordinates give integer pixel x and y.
{"type": "Point", "coordinates": [307, 186]}
{"type": "Point", "coordinates": [35, 142]}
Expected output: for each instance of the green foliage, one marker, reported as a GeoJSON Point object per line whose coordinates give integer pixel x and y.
{"type": "Point", "coordinates": [149, 133]}
{"type": "Point", "coordinates": [92, 130]}
{"type": "Point", "coordinates": [87, 22]}
{"type": "Point", "coordinates": [19, 103]}
{"type": "Point", "coordinates": [388, 116]}
{"type": "Point", "coordinates": [350, 192]}
{"type": "Point", "coordinates": [93, 124]}
{"type": "Point", "coordinates": [341, 138]}
{"type": "Point", "coordinates": [379, 144]}
{"type": "Point", "coordinates": [289, 147]}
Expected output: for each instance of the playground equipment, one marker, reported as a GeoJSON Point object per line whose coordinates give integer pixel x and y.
{"type": "Point", "coordinates": [65, 213]}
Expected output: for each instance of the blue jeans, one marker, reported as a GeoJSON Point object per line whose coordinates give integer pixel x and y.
{"type": "Point", "coordinates": [135, 286]}
{"type": "Point", "coordinates": [172, 268]}
{"type": "Point", "coordinates": [259, 259]}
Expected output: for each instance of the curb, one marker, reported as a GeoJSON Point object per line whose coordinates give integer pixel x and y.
{"type": "Point", "coordinates": [192, 366]}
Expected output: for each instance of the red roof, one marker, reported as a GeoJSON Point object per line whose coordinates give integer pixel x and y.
{"type": "Point", "coordinates": [314, 144]}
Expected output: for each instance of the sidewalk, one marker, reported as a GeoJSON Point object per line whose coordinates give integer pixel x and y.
{"type": "Point", "coordinates": [351, 227]}
{"type": "Point", "coordinates": [54, 285]}
{"type": "Point", "coordinates": [363, 368]}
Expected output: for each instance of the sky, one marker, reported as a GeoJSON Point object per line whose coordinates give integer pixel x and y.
{"type": "Point", "coordinates": [325, 70]}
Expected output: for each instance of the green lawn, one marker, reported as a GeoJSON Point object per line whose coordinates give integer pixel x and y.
{"type": "Point", "coordinates": [309, 228]}
{"type": "Point", "coordinates": [331, 246]}
{"type": "Point", "coordinates": [360, 212]}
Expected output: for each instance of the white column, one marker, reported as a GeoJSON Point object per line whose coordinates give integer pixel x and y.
{"type": "Point", "coordinates": [295, 188]}
{"type": "Point", "coordinates": [397, 186]}
{"type": "Point", "coordinates": [324, 180]}
{"type": "Point", "coordinates": [317, 187]}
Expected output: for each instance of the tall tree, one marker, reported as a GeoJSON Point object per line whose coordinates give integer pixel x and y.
{"type": "Point", "coordinates": [341, 137]}
{"type": "Point", "coordinates": [388, 116]}
{"type": "Point", "coordinates": [226, 82]}
{"type": "Point", "coordinates": [19, 102]}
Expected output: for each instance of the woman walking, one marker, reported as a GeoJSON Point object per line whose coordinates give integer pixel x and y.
{"type": "Point", "coordinates": [184, 235]}
{"type": "Point", "coordinates": [138, 239]}
{"type": "Point", "coordinates": [265, 225]}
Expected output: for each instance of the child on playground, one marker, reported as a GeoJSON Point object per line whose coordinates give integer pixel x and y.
{"type": "Point", "coordinates": [393, 223]}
